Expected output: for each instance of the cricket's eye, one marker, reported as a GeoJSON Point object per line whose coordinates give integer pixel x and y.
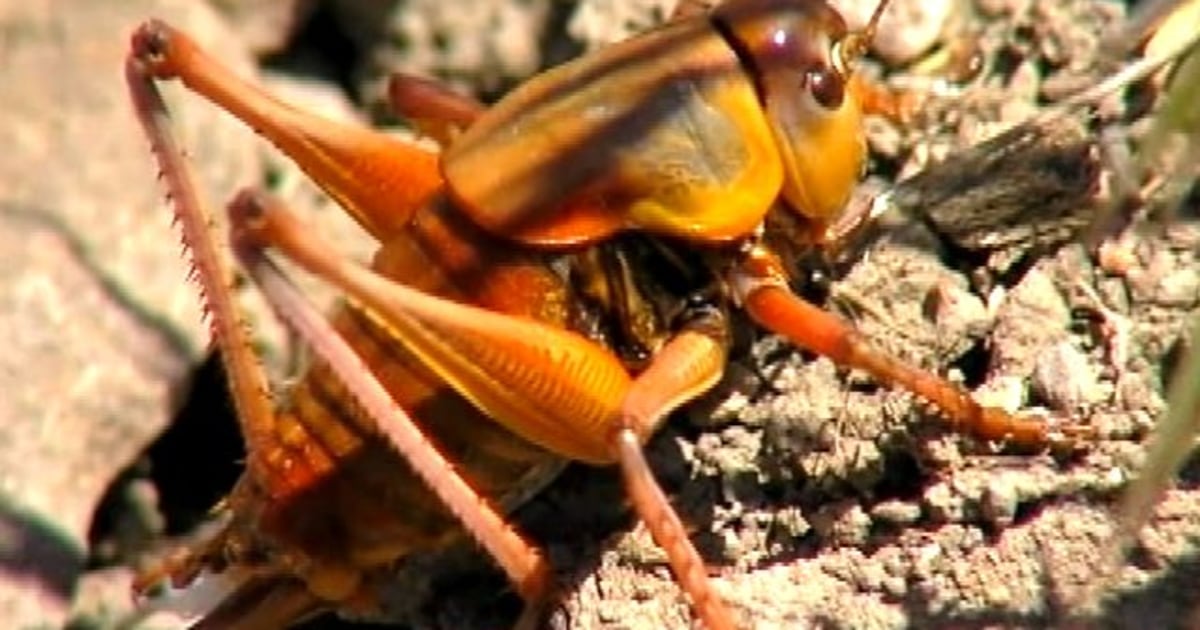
{"type": "Point", "coordinates": [826, 87]}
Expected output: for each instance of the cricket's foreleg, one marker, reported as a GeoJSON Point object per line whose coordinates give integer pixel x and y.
{"type": "Point", "coordinates": [761, 285]}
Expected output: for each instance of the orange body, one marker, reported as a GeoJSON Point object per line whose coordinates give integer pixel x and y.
{"type": "Point", "coordinates": [663, 134]}
{"type": "Point", "coordinates": [347, 499]}
{"type": "Point", "coordinates": [547, 290]}
{"type": "Point", "coordinates": [670, 133]}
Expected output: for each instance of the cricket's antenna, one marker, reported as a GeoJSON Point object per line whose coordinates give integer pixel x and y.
{"type": "Point", "coordinates": [855, 44]}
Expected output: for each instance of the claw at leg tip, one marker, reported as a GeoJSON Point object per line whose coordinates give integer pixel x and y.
{"type": "Point", "coordinates": [150, 48]}
{"type": "Point", "coordinates": [248, 215]}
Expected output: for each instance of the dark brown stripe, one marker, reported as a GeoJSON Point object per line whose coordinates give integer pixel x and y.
{"type": "Point", "coordinates": [335, 404]}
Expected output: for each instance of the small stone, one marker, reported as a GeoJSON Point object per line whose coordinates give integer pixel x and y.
{"type": "Point", "coordinates": [732, 543]}
{"type": "Point", "coordinates": [896, 512]}
{"type": "Point", "coordinates": [943, 504]}
{"type": "Point", "coordinates": [960, 317]}
{"type": "Point", "coordinates": [1032, 316]}
{"type": "Point", "coordinates": [871, 577]}
{"type": "Point", "coordinates": [1116, 477]}
{"type": "Point", "coordinates": [1163, 281]}
{"type": "Point", "coordinates": [998, 594]}
{"type": "Point", "coordinates": [1135, 392]}
{"type": "Point", "coordinates": [999, 501]}
{"type": "Point", "coordinates": [895, 587]}
{"type": "Point", "coordinates": [1180, 288]}
{"type": "Point", "coordinates": [926, 558]}
{"type": "Point", "coordinates": [1004, 392]}
{"type": "Point", "coordinates": [1064, 378]}
{"type": "Point", "coordinates": [1182, 235]}
{"type": "Point", "coordinates": [791, 520]}
{"type": "Point", "coordinates": [844, 523]}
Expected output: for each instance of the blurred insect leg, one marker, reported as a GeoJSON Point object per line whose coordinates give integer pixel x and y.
{"type": "Point", "coordinates": [761, 285]}
{"type": "Point", "coordinates": [691, 8]}
{"type": "Point", "coordinates": [690, 364]}
{"type": "Point", "coordinates": [378, 179]}
{"type": "Point", "coordinates": [434, 109]}
{"type": "Point", "coordinates": [524, 564]}
{"type": "Point", "coordinates": [262, 603]}
{"type": "Point", "coordinates": [899, 105]}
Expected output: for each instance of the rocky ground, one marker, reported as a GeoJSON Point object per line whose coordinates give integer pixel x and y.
{"type": "Point", "coordinates": [819, 498]}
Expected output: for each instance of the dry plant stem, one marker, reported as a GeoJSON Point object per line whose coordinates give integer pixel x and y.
{"type": "Point", "coordinates": [1175, 436]}
{"type": "Point", "coordinates": [522, 562]}
{"type": "Point", "coordinates": [1130, 74]}
{"type": "Point", "coordinates": [1175, 120]}
{"type": "Point", "coordinates": [1174, 441]}
{"type": "Point", "coordinates": [1145, 18]}
{"type": "Point", "coordinates": [1126, 174]}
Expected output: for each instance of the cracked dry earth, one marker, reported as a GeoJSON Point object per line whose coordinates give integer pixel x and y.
{"type": "Point", "coordinates": [819, 498]}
